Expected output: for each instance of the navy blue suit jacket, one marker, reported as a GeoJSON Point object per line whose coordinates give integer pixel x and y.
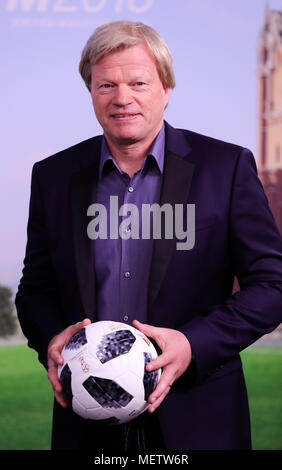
{"type": "Point", "coordinates": [207, 407]}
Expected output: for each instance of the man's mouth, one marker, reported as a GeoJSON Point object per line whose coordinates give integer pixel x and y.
{"type": "Point", "coordinates": [125, 115]}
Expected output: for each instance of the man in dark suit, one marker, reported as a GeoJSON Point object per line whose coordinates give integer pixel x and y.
{"type": "Point", "coordinates": [181, 298]}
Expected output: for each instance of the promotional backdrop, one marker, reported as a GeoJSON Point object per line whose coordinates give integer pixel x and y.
{"type": "Point", "coordinates": [45, 106]}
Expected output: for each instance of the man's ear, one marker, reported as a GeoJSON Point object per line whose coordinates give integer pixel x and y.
{"type": "Point", "coordinates": [166, 95]}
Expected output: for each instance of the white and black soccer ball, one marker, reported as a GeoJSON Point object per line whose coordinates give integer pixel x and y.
{"type": "Point", "coordinates": [104, 374]}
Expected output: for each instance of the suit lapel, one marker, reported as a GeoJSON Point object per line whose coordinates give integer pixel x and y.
{"type": "Point", "coordinates": [83, 190]}
{"type": "Point", "coordinates": [177, 178]}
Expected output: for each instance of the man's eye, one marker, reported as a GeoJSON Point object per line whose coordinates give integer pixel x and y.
{"type": "Point", "coordinates": [140, 83]}
{"type": "Point", "coordinates": [106, 85]}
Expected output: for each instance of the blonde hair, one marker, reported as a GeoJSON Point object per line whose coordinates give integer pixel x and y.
{"type": "Point", "coordinates": [118, 35]}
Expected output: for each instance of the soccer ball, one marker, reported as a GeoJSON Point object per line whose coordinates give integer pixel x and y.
{"type": "Point", "coordinates": [104, 375]}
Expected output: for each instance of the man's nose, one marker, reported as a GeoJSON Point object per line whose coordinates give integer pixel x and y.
{"type": "Point", "coordinates": [122, 96]}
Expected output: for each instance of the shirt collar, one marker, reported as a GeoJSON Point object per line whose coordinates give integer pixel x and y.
{"type": "Point", "coordinates": [156, 150]}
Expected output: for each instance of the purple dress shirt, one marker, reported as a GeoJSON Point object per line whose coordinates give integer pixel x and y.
{"type": "Point", "coordinates": [122, 263]}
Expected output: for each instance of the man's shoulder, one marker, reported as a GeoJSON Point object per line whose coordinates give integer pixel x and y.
{"type": "Point", "coordinates": [203, 141]}
{"type": "Point", "coordinates": [72, 158]}
{"type": "Point", "coordinates": [206, 150]}
{"type": "Point", "coordinates": [203, 149]}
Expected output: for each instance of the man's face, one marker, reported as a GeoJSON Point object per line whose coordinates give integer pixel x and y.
{"type": "Point", "coordinates": [128, 96]}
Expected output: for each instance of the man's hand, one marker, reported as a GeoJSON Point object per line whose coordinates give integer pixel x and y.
{"type": "Point", "coordinates": [175, 358]}
{"type": "Point", "coordinates": [54, 357]}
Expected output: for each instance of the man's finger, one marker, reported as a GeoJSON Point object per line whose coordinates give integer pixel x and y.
{"type": "Point", "coordinates": [56, 356]}
{"type": "Point", "coordinates": [60, 399]}
{"type": "Point", "coordinates": [158, 363]}
{"type": "Point", "coordinates": [158, 401]}
{"type": "Point", "coordinates": [53, 375]}
{"type": "Point", "coordinates": [77, 326]}
{"type": "Point", "coordinates": [84, 322]}
{"type": "Point", "coordinates": [166, 381]}
{"type": "Point", "coordinates": [148, 330]}
{"type": "Point", "coordinates": [59, 341]}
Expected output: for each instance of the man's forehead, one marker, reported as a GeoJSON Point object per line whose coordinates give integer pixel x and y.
{"type": "Point", "coordinates": [123, 69]}
{"type": "Point", "coordinates": [126, 68]}
{"type": "Point", "coordinates": [128, 54]}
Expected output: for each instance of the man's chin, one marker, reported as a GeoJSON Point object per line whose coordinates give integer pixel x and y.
{"type": "Point", "coordinates": [126, 139]}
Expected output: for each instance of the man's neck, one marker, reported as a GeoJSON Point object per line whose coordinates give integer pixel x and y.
{"type": "Point", "coordinates": [130, 157]}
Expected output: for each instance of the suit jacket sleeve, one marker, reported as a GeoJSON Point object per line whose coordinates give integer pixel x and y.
{"type": "Point", "coordinates": [37, 298]}
{"type": "Point", "coordinates": [256, 256]}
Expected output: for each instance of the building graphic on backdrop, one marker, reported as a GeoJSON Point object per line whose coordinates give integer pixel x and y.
{"type": "Point", "coordinates": [270, 110]}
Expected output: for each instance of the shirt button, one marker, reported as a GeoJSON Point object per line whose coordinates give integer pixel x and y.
{"type": "Point", "coordinates": [130, 189]}
{"type": "Point", "coordinates": [125, 317]}
{"type": "Point", "coordinates": [127, 274]}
